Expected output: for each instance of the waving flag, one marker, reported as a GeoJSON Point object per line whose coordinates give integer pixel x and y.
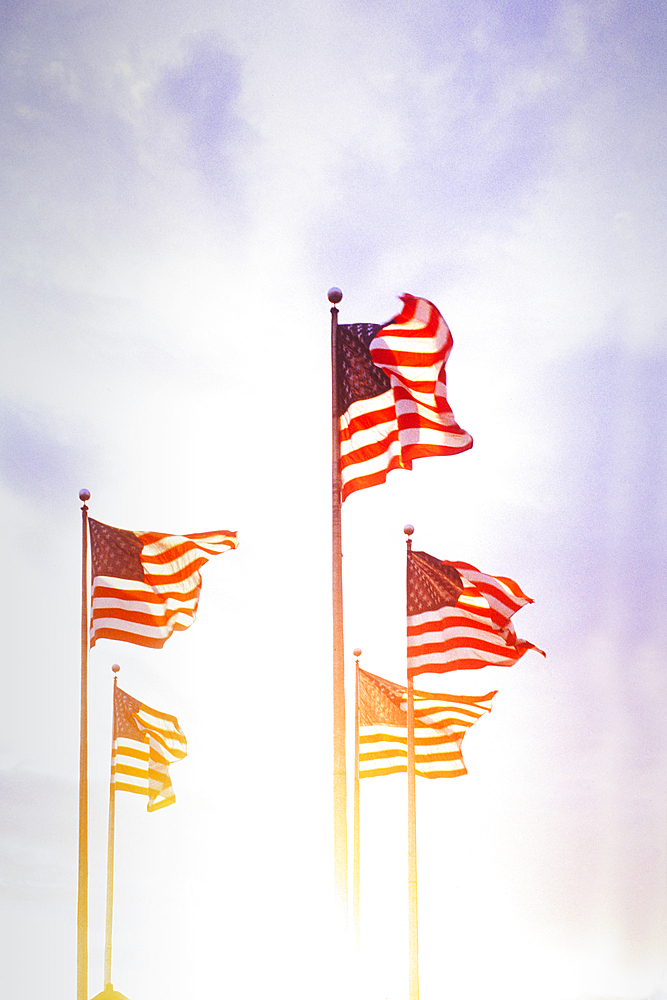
{"type": "Point", "coordinates": [392, 395]}
{"type": "Point", "coordinates": [145, 743]}
{"type": "Point", "coordinates": [146, 584]}
{"type": "Point", "coordinates": [441, 721]}
{"type": "Point", "coordinates": [474, 630]}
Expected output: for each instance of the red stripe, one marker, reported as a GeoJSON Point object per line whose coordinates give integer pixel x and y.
{"type": "Point", "coordinates": [424, 758]}
{"type": "Point", "coordinates": [461, 663]}
{"type": "Point", "coordinates": [452, 619]}
{"type": "Point", "coordinates": [447, 645]}
{"type": "Point", "coordinates": [125, 592]}
{"type": "Point", "coordinates": [138, 640]}
{"type": "Point", "coordinates": [388, 358]}
{"type": "Point", "coordinates": [441, 774]}
{"type": "Point", "coordinates": [423, 741]}
{"type": "Point", "coordinates": [369, 451]}
{"type": "Point", "coordinates": [444, 668]}
{"type": "Point", "coordinates": [382, 754]}
{"type": "Point", "coordinates": [366, 421]}
{"type": "Point", "coordinates": [141, 617]}
{"type": "Point", "coordinates": [371, 479]}
{"type": "Point", "coordinates": [378, 772]}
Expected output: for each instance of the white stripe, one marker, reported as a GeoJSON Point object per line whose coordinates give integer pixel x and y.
{"type": "Point", "coordinates": [480, 621]}
{"type": "Point", "coordinates": [371, 465]}
{"type": "Point", "coordinates": [429, 411]}
{"type": "Point", "coordinates": [491, 659]}
{"type": "Point", "coordinates": [368, 436]}
{"type": "Point", "coordinates": [411, 375]}
{"type": "Point", "coordinates": [360, 469]}
{"type": "Point", "coordinates": [399, 344]}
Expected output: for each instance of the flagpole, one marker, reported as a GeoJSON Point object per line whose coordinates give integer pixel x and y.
{"type": "Point", "coordinates": [111, 840]}
{"type": "Point", "coordinates": [413, 924]}
{"type": "Point", "coordinates": [356, 861]}
{"type": "Point", "coordinates": [82, 899]}
{"type": "Point", "coordinates": [339, 772]}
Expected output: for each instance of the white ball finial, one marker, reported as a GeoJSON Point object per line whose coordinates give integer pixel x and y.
{"type": "Point", "coordinates": [334, 295]}
{"type": "Point", "coordinates": [408, 529]}
{"type": "Point", "coordinates": [356, 652]}
{"type": "Point", "coordinates": [84, 495]}
{"type": "Point", "coordinates": [116, 667]}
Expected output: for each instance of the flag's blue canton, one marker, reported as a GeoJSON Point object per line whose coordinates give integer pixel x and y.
{"type": "Point", "coordinates": [124, 722]}
{"type": "Point", "coordinates": [357, 376]}
{"type": "Point", "coordinates": [432, 584]}
{"type": "Point", "coordinates": [115, 552]}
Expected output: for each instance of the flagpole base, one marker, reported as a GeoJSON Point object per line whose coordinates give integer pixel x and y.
{"type": "Point", "coordinates": [109, 993]}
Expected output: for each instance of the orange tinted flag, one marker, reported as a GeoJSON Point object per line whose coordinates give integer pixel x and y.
{"type": "Point", "coordinates": [146, 584]}
{"type": "Point", "coordinates": [145, 743]}
{"type": "Point", "coordinates": [441, 721]}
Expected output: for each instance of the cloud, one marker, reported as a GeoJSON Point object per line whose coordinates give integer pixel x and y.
{"type": "Point", "coordinates": [38, 834]}
{"type": "Point", "coordinates": [36, 461]}
{"type": "Point", "coordinates": [204, 92]}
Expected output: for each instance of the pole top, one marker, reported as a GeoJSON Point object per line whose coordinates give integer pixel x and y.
{"type": "Point", "coordinates": [356, 652]}
{"type": "Point", "coordinates": [334, 295]}
{"type": "Point", "coordinates": [84, 495]}
{"type": "Point", "coordinates": [408, 530]}
{"type": "Point", "coordinates": [116, 667]}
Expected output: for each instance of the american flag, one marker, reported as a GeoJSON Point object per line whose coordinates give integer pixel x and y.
{"type": "Point", "coordinates": [145, 743]}
{"type": "Point", "coordinates": [441, 721]}
{"type": "Point", "coordinates": [392, 395]}
{"type": "Point", "coordinates": [474, 630]}
{"type": "Point", "coordinates": [146, 584]}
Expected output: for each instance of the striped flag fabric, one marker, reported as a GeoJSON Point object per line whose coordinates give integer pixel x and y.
{"type": "Point", "coordinates": [146, 584]}
{"type": "Point", "coordinates": [145, 743]}
{"type": "Point", "coordinates": [392, 395]}
{"type": "Point", "coordinates": [471, 632]}
{"type": "Point", "coordinates": [441, 721]}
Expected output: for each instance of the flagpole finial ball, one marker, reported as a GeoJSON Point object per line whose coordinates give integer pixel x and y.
{"type": "Point", "coordinates": [334, 295]}
{"type": "Point", "coordinates": [356, 653]}
{"type": "Point", "coordinates": [116, 667]}
{"type": "Point", "coordinates": [408, 529]}
{"type": "Point", "coordinates": [84, 495]}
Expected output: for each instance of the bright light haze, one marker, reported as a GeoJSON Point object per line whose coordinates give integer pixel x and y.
{"type": "Point", "coordinates": [181, 184]}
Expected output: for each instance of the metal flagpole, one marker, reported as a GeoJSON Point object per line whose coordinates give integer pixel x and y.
{"type": "Point", "coordinates": [339, 773]}
{"type": "Point", "coordinates": [111, 841]}
{"type": "Point", "coordinates": [356, 857]}
{"type": "Point", "coordinates": [82, 899]}
{"type": "Point", "coordinates": [413, 925]}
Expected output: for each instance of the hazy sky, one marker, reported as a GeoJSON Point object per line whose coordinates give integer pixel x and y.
{"type": "Point", "coordinates": [181, 184]}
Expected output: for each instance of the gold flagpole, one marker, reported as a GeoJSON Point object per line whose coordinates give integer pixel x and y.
{"type": "Point", "coordinates": [82, 899]}
{"type": "Point", "coordinates": [339, 772]}
{"type": "Point", "coordinates": [413, 925]}
{"type": "Point", "coordinates": [111, 841]}
{"type": "Point", "coordinates": [356, 858]}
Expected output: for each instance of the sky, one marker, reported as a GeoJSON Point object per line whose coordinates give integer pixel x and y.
{"type": "Point", "coordinates": [181, 185]}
